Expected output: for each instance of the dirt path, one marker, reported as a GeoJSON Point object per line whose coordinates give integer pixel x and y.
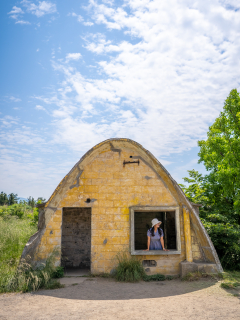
{"type": "Point", "coordinates": [96, 298]}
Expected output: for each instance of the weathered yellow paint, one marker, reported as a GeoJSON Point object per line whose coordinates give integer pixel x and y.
{"type": "Point", "coordinates": [116, 188]}
{"type": "Point", "coordinates": [187, 234]}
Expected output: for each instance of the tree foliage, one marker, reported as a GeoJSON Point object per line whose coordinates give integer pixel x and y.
{"type": "Point", "coordinates": [219, 190]}
{"type": "Point", "coordinates": [220, 153]}
{"type": "Point", "coordinates": [8, 199]}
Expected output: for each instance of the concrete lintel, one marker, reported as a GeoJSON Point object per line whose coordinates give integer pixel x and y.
{"type": "Point", "coordinates": [154, 252]}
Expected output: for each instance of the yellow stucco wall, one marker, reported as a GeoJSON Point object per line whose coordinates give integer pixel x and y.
{"type": "Point", "coordinates": [115, 188]}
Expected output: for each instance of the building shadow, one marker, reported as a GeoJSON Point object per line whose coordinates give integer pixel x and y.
{"type": "Point", "coordinates": [108, 289]}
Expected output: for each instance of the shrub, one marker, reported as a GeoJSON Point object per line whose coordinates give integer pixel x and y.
{"type": "Point", "coordinates": [58, 273]}
{"type": "Point", "coordinates": [225, 238]}
{"type": "Point", "coordinates": [129, 269]}
{"type": "Point", "coordinates": [19, 210]}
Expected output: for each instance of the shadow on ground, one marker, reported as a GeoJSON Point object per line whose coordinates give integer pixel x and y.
{"type": "Point", "coordinates": [108, 289]}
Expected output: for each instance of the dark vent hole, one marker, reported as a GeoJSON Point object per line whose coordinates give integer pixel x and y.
{"type": "Point", "coordinates": [149, 263]}
{"type": "Point", "coordinates": [88, 200]}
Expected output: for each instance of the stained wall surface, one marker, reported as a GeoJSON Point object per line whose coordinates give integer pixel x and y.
{"type": "Point", "coordinates": [112, 189]}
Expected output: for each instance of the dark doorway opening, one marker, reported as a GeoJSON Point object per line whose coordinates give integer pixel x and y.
{"type": "Point", "coordinates": [142, 222]}
{"type": "Point", "coordinates": [76, 238]}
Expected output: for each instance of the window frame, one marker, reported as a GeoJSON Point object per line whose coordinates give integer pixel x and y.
{"type": "Point", "coordinates": [154, 252]}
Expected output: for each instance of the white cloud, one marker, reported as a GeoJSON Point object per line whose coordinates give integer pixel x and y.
{"type": "Point", "coordinates": [73, 56]}
{"type": "Point", "coordinates": [22, 22]}
{"type": "Point", "coordinates": [8, 121]}
{"type": "Point", "coordinates": [39, 10]}
{"type": "Point", "coordinates": [42, 8]}
{"type": "Point", "coordinates": [80, 19]}
{"type": "Point", "coordinates": [38, 107]}
{"type": "Point", "coordinates": [15, 12]}
{"type": "Point", "coordinates": [88, 24]}
{"type": "Point", "coordinates": [164, 88]}
{"type": "Point", "coordinates": [14, 99]}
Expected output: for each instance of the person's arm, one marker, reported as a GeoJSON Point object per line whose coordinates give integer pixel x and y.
{"type": "Point", "coordinates": [162, 243]}
{"type": "Point", "coordinates": [148, 244]}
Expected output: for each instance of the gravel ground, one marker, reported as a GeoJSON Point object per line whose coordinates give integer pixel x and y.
{"type": "Point", "coordinates": [97, 298]}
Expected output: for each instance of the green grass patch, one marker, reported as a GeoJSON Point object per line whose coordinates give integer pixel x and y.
{"type": "Point", "coordinates": [154, 277]}
{"type": "Point", "coordinates": [231, 280]}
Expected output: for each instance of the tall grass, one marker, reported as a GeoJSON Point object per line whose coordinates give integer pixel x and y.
{"type": "Point", "coordinates": [129, 268]}
{"type": "Point", "coordinates": [14, 234]}
{"type": "Point", "coordinates": [28, 278]}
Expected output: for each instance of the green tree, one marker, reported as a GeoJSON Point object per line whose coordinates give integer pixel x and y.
{"type": "Point", "coordinates": [12, 198]}
{"type": "Point", "coordinates": [3, 199]}
{"type": "Point", "coordinates": [219, 190]}
{"type": "Point", "coordinates": [41, 200]}
{"type": "Point", "coordinates": [31, 202]}
{"type": "Point", "coordinates": [220, 153]}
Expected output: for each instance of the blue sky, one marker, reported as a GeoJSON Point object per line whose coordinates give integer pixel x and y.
{"type": "Point", "coordinates": [74, 73]}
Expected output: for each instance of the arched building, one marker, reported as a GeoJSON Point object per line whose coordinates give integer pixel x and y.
{"type": "Point", "coordinates": [105, 205]}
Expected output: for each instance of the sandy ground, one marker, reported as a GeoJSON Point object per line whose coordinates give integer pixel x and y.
{"type": "Point", "coordinates": [96, 298]}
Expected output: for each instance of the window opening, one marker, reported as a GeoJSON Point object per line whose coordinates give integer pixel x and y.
{"type": "Point", "coordinates": [142, 222]}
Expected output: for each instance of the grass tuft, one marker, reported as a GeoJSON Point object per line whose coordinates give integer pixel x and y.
{"type": "Point", "coordinates": [129, 268]}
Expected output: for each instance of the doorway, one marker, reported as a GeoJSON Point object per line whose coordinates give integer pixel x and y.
{"type": "Point", "coordinates": [76, 238]}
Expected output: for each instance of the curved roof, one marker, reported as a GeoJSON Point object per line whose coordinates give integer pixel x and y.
{"type": "Point", "coordinates": [88, 153]}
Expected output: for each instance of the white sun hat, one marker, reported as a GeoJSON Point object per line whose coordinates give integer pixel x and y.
{"type": "Point", "coordinates": [155, 221]}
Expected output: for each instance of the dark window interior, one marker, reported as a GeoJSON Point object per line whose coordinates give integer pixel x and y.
{"type": "Point", "coordinates": [142, 222]}
{"type": "Point", "coordinates": [76, 237]}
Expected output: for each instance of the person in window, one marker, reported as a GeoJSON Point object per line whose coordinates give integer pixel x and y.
{"type": "Point", "coordinates": [155, 237]}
